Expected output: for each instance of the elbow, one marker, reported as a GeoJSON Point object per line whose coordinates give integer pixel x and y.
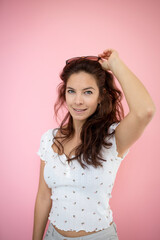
{"type": "Point", "coordinates": [151, 112]}
{"type": "Point", "coordinates": [147, 115]}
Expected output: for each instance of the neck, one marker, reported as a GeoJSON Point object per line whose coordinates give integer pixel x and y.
{"type": "Point", "coordinates": [77, 125]}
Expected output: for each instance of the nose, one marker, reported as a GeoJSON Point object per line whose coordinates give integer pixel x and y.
{"type": "Point", "coordinates": [78, 99]}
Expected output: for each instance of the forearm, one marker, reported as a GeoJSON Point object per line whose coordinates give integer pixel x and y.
{"type": "Point", "coordinates": [41, 212]}
{"type": "Point", "coordinates": [137, 97]}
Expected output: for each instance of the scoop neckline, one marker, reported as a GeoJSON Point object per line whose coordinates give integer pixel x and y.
{"type": "Point", "coordinates": [62, 155]}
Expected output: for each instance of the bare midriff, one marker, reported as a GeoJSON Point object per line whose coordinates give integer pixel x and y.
{"type": "Point", "coordinates": [74, 233]}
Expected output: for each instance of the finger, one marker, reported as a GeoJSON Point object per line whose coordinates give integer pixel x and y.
{"type": "Point", "coordinates": [106, 53]}
{"type": "Point", "coordinates": [109, 50]}
{"type": "Point", "coordinates": [102, 55]}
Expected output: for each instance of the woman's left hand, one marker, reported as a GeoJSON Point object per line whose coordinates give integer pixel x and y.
{"type": "Point", "coordinates": [108, 56]}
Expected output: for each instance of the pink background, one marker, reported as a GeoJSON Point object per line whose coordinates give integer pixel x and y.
{"type": "Point", "coordinates": [37, 36]}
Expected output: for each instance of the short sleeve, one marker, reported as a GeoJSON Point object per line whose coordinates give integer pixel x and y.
{"type": "Point", "coordinates": [42, 149]}
{"type": "Point", "coordinates": [113, 141]}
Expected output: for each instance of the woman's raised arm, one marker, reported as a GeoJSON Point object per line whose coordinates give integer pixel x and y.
{"type": "Point", "coordinates": [141, 106]}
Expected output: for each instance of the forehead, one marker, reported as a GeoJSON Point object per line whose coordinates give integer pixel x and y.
{"type": "Point", "coordinates": [81, 80]}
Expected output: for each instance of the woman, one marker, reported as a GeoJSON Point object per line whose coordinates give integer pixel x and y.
{"type": "Point", "coordinates": [82, 156]}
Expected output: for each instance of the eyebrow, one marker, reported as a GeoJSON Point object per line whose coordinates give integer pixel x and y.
{"type": "Point", "coordinates": [82, 89]}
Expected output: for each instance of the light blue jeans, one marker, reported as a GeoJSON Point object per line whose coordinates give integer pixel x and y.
{"type": "Point", "coordinates": [109, 233]}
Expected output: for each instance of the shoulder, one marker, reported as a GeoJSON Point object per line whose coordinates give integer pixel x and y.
{"type": "Point", "coordinates": [48, 134]}
{"type": "Point", "coordinates": [112, 139]}
{"type": "Point", "coordinates": [120, 155]}
{"type": "Point", "coordinates": [113, 127]}
{"type": "Point", "coordinates": [111, 133]}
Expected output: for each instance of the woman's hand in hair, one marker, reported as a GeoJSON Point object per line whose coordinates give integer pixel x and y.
{"type": "Point", "coordinates": [108, 57]}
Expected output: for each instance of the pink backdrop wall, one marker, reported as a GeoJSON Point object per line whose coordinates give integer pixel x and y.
{"type": "Point", "coordinates": [36, 39]}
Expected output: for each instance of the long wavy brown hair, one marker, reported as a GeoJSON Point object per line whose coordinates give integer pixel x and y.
{"type": "Point", "coordinates": [95, 130]}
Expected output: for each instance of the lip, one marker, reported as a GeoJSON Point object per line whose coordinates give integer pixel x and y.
{"type": "Point", "coordinates": [79, 110]}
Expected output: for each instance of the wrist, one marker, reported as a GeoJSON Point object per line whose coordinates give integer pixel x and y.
{"type": "Point", "coordinates": [114, 63]}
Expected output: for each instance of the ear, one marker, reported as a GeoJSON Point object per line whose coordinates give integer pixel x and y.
{"type": "Point", "coordinates": [99, 100]}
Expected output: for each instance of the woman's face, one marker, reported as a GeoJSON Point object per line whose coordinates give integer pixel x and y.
{"type": "Point", "coordinates": [82, 95]}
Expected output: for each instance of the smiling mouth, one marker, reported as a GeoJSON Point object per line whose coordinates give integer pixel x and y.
{"type": "Point", "coordinates": [79, 110]}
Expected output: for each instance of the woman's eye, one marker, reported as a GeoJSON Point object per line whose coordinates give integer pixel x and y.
{"type": "Point", "coordinates": [70, 91]}
{"type": "Point", "coordinates": [88, 92]}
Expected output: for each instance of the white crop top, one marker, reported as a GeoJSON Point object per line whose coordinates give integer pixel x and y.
{"type": "Point", "coordinates": [80, 197]}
